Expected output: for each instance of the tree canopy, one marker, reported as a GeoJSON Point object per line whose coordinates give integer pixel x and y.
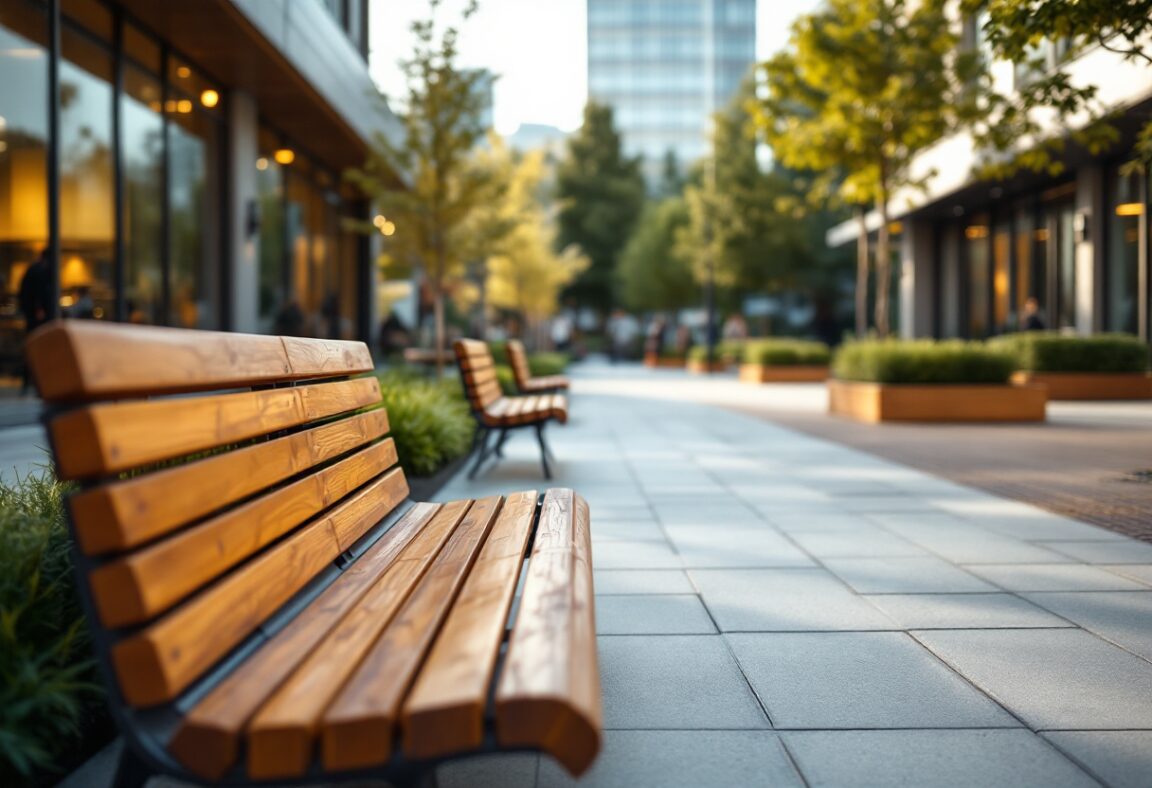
{"type": "Point", "coordinates": [653, 274]}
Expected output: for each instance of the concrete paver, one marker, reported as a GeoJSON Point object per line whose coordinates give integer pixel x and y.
{"type": "Point", "coordinates": [1121, 759]}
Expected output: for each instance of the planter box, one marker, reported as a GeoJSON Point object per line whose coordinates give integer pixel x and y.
{"type": "Point", "coordinates": [1090, 385]}
{"type": "Point", "coordinates": [703, 367]}
{"type": "Point", "coordinates": [652, 360]}
{"type": "Point", "coordinates": [878, 402]}
{"type": "Point", "coordinates": [759, 373]}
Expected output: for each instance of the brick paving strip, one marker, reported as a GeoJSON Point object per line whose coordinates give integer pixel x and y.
{"type": "Point", "coordinates": [1079, 470]}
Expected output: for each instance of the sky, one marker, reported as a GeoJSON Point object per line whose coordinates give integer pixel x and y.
{"type": "Point", "coordinates": [538, 47]}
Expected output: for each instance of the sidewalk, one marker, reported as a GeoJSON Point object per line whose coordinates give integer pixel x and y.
{"type": "Point", "coordinates": [774, 609]}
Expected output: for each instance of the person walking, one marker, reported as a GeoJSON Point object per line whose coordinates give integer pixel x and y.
{"type": "Point", "coordinates": [37, 303]}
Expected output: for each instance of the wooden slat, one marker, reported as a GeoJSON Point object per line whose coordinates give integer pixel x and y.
{"type": "Point", "coordinates": [114, 437]}
{"type": "Point", "coordinates": [548, 696]}
{"type": "Point", "coordinates": [207, 741]}
{"type": "Point", "coordinates": [149, 581]}
{"type": "Point", "coordinates": [124, 514]}
{"type": "Point", "coordinates": [518, 360]}
{"type": "Point", "coordinates": [157, 663]}
{"type": "Point", "coordinates": [357, 729]}
{"type": "Point", "coordinates": [559, 408]}
{"type": "Point", "coordinates": [281, 735]}
{"type": "Point", "coordinates": [444, 712]}
{"type": "Point", "coordinates": [90, 359]}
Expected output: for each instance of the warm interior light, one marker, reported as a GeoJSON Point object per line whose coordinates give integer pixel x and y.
{"type": "Point", "coordinates": [183, 106]}
{"type": "Point", "coordinates": [261, 164]}
{"type": "Point", "coordinates": [1130, 209]}
{"type": "Point", "coordinates": [1041, 235]}
{"type": "Point", "coordinates": [379, 220]}
{"type": "Point", "coordinates": [209, 98]}
{"type": "Point", "coordinates": [976, 231]}
{"type": "Point", "coordinates": [183, 72]}
{"type": "Point", "coordinates": [388, 228]}
{"type": "Point", "coordinates": [3, 146]}
{"type": "Point", "coordinates": [284, 156]}
{"type": "Point", "coordinates": [895, 228]}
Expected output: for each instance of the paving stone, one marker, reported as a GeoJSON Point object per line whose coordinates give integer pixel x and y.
{"type": "Point", "coordinates": [822, 520]}
{"type": "Point", "coordinates": [825, 680]}
{"type": "Point", "coordinates": [784, 600]}
{"type": "Point", "coordinates": [624, 530]}
{"type": "Point", "coordinates": [926, 575]}
{"type": "Point", "coordinates": [1052, 678]}
{"type": "Point", "coordinates": [1054, 577]}
{"type": "Point", "coordinates": [664, 614]}
{"type": "Point", "coordinates": [964, 611]}
{"type": "Point", "coordinates": [932, 759]}
{"type": "Point", "coordinates": [963, 543]}
{"type": "Point", "coordinates": [633, 555]}
{"type": "Point", "coordinates": [1122, 759]}
{"type": "Point", "coordinates": [1141, 573]}
{"type": "Point", "coordinates": [864, 542]}
{"type": "Point", "coordinates": [1124, 617]}
{"type": "Point", "coordinates": [1112, 551]}
{"type": "Point", "coordinates": [891, 503]}
{"type": "Point", "coordinates": [722, 513]}
{"type": "Point", "coordinates": [677, 681]}
{"type": "Point", "coordinates": [506, 770]}
{"type": "Point", "coordinates": [657, 759]}
{"type": "Point", "coordinates": [730, 546]}
{"type": "Point", "coordinates": [641, 581]}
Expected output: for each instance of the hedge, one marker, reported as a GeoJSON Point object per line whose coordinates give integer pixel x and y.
{"type": "Point", "coordinates": [786, 353]}
{"type": "Point", "coordinates": [1051, 352]}
{"type": "Point", "coordinates": [430, 420]}
{"type": "Point", "coordinates": [922, 361]}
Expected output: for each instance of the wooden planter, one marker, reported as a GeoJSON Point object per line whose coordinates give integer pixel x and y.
{"type": "Point", "coordinates": [760, 373]}
{"type": "Point", "coordinates": [878, 402]}
{"type": "Point", "coordinates": [1090, 385]}
{"type": "Point", "coordinates": [653, 360]}
{"type": "Point", "coordinates": [703, 367]}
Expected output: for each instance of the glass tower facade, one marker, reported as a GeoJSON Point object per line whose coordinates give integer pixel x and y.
{"type": "Point", "coordinates": [665, 66]}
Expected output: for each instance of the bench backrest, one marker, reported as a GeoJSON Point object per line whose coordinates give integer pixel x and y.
{"type": "Point", "coordinates": [199, 517]}
{"type": "Point", "coordinates": [518, 360]}
{"type": "Point", "coordinates": [478, 372]}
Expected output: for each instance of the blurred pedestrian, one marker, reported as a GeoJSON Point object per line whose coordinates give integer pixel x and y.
{"type": "Point", "coordinates": [37, 301]}
{"type": "Point", "coordinates": [561, 332]}
{"type": "Point", "coordinates": [1032, 320]}
{"type": "Point", "coordinates": [735, 327]}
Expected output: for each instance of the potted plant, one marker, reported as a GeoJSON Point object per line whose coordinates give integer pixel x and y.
{"type": "Point", "coordinates": [1104, 366]}
{"type": "Point", "coordinates": [698, 360]}
{"type": "Point", "coordinates": [926, 380]}
{"type": "Point", "coordinates": [784, 361]}
{"type": "Point", "coordinates": [667, 358]}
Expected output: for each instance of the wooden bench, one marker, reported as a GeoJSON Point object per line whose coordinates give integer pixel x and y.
{"type": "Point", "coordinates": [525, 383]}
{"type": "Point", "coordinates": [264, 603]}
{"type": "Point", "coordinates": [495, 412]}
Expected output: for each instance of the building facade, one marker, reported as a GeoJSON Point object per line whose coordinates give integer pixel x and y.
{"type": "Point", "coordinates": [183, 159]}
{"type": "Point", "coordinates": [972, 252]}
{"type": "Point", "coordinates": [665, 66]}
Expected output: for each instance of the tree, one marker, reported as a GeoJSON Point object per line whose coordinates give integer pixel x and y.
{"type": "Point", "coordinates": [864, 87]}
{"type": "Point", "coordinates": [671, 180]}
{"type": "Point", "coordinates": [601, 194]}
{"type": "Point", "coordinates": [653, 273]}
{"type": "Point", "coordinates": [525, 273]}
{"type": "Point", "coordinates": [441, 127]}
{"type": "Point", "coordinates": [1021, 32]}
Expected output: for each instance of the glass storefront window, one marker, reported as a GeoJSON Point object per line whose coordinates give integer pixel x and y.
{"type": "Point", "coordinates": [1062, 218]}
{"type": "Point", "coordinates": [979, 275]}
{"type": "Point", "coordinates": [1001, 276]}
{"type": "Point", "coordinates": [193, 150]}
{"type": "Point", "coordinates": [1125, 210]}
{"type": "Point", "coordinates": [87, 201]}
{"type": "Point", "coordinates": [23, 161]}
{"type": "Point", "coordinates": [142, 137]}
{"type": "Point", "coordinates": [270, 197]}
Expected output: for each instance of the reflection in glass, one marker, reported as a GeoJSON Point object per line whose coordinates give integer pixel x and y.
{"type": "Point", "coordinates": [194, 240]}
{"type": "Point", "coordinates": [87, 204]}
{"type": "Point", "coordinates": [1001, 278]}
{"type": "Point", "coordinates": [1065, 266]}
{"type": "Point", "coordinates": [976, 241]}
{"type": "Point", "coordinates": [143, 157]}
{"type": "Point", "coordinates": [1125, 212]}
{"type": "Point", "coordinates": [273, 274]}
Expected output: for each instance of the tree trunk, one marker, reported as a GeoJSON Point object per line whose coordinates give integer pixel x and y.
{"type": "Point", "coordinates": [438, 328]}
{"type": "Point", "coordinates": [883, 273]}
{"type": "Point", "coordinates": [862, 275]}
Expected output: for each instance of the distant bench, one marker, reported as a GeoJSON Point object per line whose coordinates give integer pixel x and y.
{"type": "Point", "coordinates": [522, 373]}
{"type": "Point", "coordinates": [495, 412]}
{"type": "Point", "coordinates": [263, 603]}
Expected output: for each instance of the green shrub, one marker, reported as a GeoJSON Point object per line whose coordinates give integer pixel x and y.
{"type": "Point", "coordinates": [51, 704]}
{"type": "Point", "coordinates": [544, 364]}
{"type": "Point", "coordinates": [430, 421]}
{"type": "Point", "coordinates": [1050, 352]}
{"type": "Point", "coordinates": [922, 361]}
{"type": "Point", "coordinates": [507, 379]}
{"type": "Point", "coordinates": [786, 352]}
{"type": "Point", "coordinates": [731, 350]}
{"type": "Point", "coordinates": [699, 353]}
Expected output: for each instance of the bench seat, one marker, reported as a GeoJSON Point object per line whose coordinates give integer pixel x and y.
{"type": "Point", "coordinates": [265, 601]}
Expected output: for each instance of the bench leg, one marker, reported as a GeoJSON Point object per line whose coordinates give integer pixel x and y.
{"type": "Point", "coordinates": [481, 440]}
{"type": "Point", "coordinates": [131, 772]}
{"type": "Point", "coordinates": [500, 444]}
{"type": "Point", "coordinates": [543, 450]}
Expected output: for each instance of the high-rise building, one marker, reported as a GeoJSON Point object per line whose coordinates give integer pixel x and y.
{"type": "Point", "coordinates": [665, 66]}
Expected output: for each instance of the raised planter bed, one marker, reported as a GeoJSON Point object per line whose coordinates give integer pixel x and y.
{"type": "Point", "coordinates": [881, 402]}
{"type": "Point", "coordinates": [703, 367]}
{"type": "Point", "coordinates": [655, 361]}
{"type": "Point", "coordinates": [763, 373]}
{"type": "Point", "coordinates": [1090, 385]}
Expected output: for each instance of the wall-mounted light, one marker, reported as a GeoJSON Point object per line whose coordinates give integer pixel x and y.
{"type": "Point", "coordinates": [284, 156]}
{"type": "Point", "coordinates": [184, 106]}
{"type": "Point", "coordinates": [183, 72]}
{"type": "Point", "coordinates": [976, 231]}
{"type": "Point", "coordinates": [1130, 209]}
{"type": "Point", "coordinates": [262, 164]}
{"type": "Point", "coordinates": [209, 98]}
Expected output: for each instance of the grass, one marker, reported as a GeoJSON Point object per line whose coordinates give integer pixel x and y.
{"type": "Point", "coordinates": [430, 420]}
{"type": "Point", "coordinates": [923, 362]}
{"type": "Point", "coordinates": [1051, 352]}
{"type": "Point", "coordinates": [786, 353]}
